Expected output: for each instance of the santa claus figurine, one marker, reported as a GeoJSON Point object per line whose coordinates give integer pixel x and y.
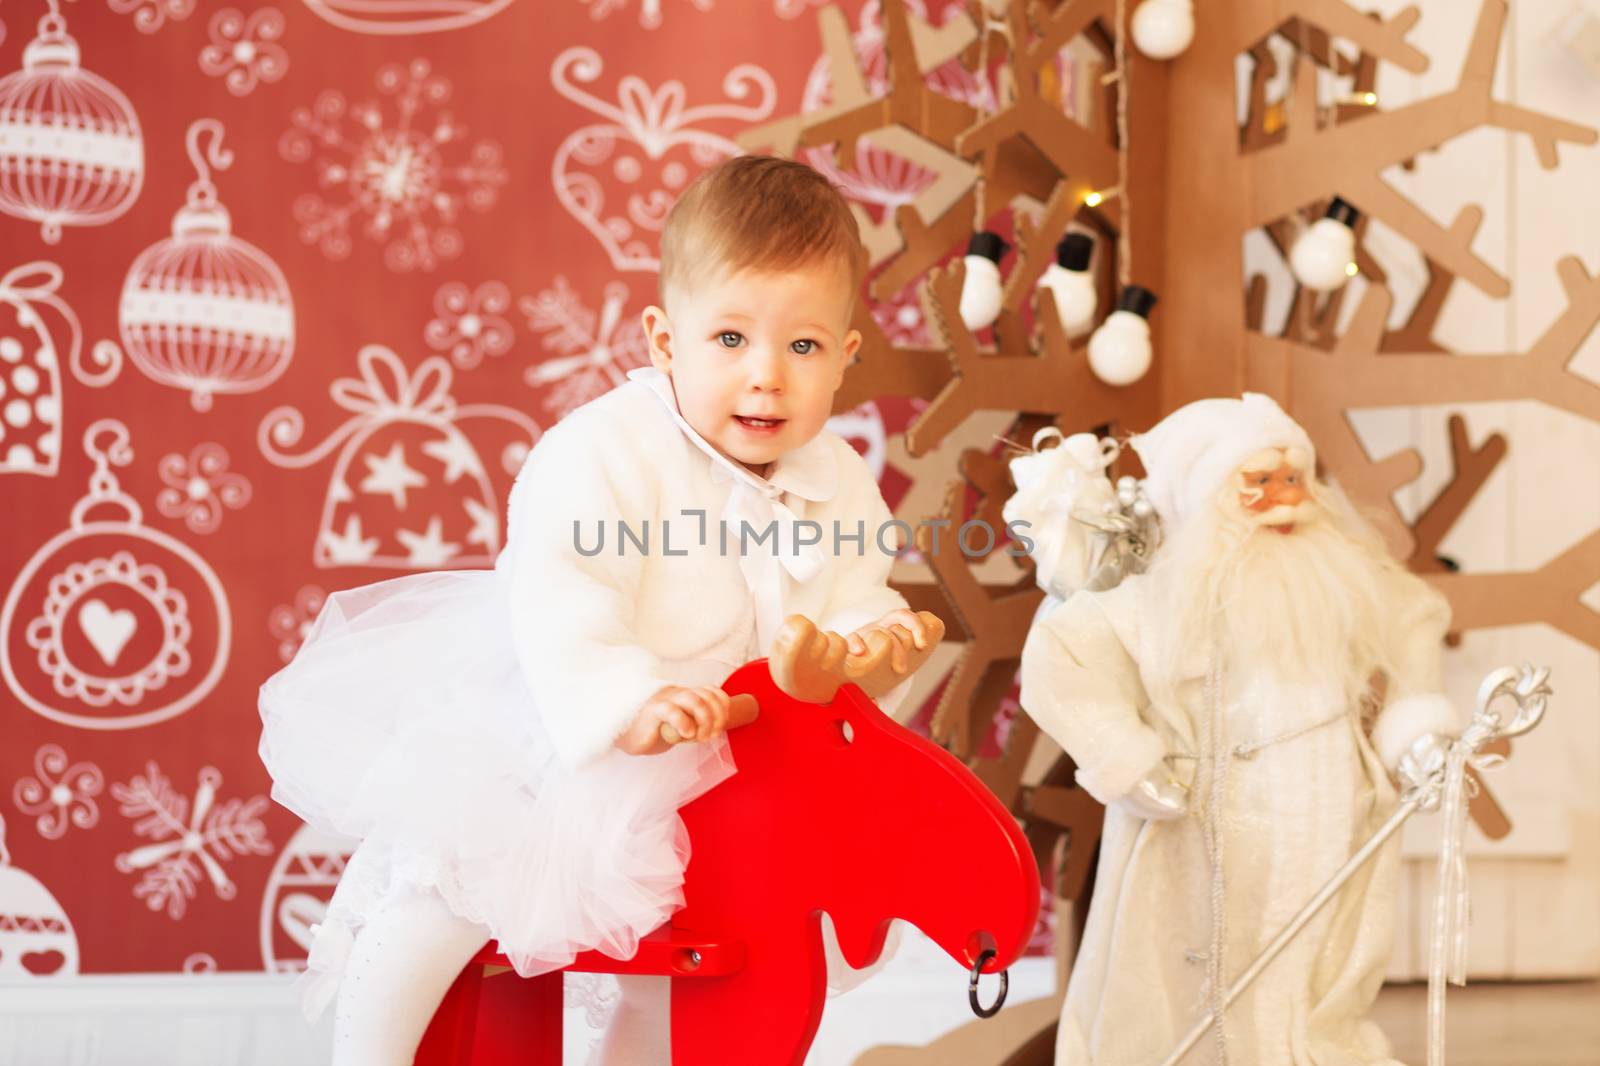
{"type": "Point", "coordinates": [1224, 706]}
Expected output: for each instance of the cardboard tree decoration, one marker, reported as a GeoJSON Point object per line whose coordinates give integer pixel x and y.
{"type": "Point", "coordinates": [1184, 148]}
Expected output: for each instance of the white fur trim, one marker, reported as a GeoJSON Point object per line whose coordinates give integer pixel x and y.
{"type": "Point", "coordinates": [1263, 462]}
{"type": "Point", "coordinates": [1403, 721]}
{"type": "Point", "coordinates": [1111, 779]}
{"type": "Point", "coordinates": [1191, 454]}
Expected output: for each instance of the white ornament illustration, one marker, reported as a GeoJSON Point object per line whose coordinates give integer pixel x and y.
{"type": "Point", "coordinates": [31, 372]}
{"type": "Point", "coordinates": [200, 486]}
{"type": "Point", "coordinates": [205, 311]}
{"type": "Point", "coordinates": [289, 624]}
{"type": "Point", "coordinates": [882, 178]}
{"type": "Point", "coordinates": [71, 153]}
{"type": "Point", "coordinates": [865, 424]}
{"type": "Point", "coordinates": [394, 17]}
{"type": "Point", "coordinates": [594, 352]}
{"type": "Point", "coordinates": [408, 489]}
{"type": "Point", "coordinates": [30, 368]}
{"type": "Point", "coordinates": [649, 146]}
{"type": "Point", "coordinates": [150, 15]}
{"type": "Point", "coordinates": [113, 625]}
{"type": "Point", "coordinates": [201, 962]}
{"type": "Point", "coordinates": [470, 323]}
{"type": "Point", "coordinates": [406, 183]}
{"type": "Point", "coordinates": [244, 52]}
{"type": "Point", "coordinates": [193, 838]}
{"type": "Point", "coordinates": [36, 936]}
{"type": "Point", "coordinates": [296, 897]}
{"type": "Point", "coordinates": [60, 794]}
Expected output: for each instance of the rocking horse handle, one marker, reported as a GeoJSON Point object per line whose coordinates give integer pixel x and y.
{"type": "Point", "coordinates": [874, 670]}
{"type": "Point", "coordinates": [742, 710]}
{"type": "Point", "coordinates": [810, 664]}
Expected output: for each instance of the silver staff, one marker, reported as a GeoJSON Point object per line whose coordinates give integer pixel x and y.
{"type": "Point", "coordinates": [1529, 692]}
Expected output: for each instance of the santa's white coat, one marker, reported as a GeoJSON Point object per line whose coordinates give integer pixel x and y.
{"type": "Point", "coordinates": [1292, 812]}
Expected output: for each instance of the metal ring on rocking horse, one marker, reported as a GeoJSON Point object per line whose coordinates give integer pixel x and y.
{"type": "Point", "coordinates": [972, 987]}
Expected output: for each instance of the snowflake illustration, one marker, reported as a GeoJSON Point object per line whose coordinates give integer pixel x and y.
{"type": "Point", "coordinates": [192, 838]}
{"type": "Point", "coordinates": [470, 322]}
{"type": "Point", "coordinates": [199, 487]}
{"type": "Point", "coordinates": [596, 351]}
{"type": "Point", "coordinates": [150, 15]}
{"type": "Point", "coordinates": [289, 624]}
{"type": "Point", "coordinates": [902, 320]}
{"type": "Point", "coordinates": [60, 794]}
{"type": "Point", "coordinates": [244, 52]}
{"type": "Point", "coordinates": [404, 180]}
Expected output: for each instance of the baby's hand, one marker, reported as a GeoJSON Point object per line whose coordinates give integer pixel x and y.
{"type": "Point", "coordinates": [696, 713]}
{"type": "Point", "coordinates": [905, 630]}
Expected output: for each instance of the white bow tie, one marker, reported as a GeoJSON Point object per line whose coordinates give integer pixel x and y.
{"type": "Point", "coordinates": [759, 504]}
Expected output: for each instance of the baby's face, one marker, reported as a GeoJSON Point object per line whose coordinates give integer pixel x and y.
{"type": "Point", "coordinates": [755, 357]}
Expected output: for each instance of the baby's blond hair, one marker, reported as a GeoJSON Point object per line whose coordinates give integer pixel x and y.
{"type": "Point", "coordinates": [761, 213]}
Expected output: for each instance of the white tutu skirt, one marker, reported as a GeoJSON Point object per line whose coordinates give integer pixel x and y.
{"type": "Point", "coordinates": [405, 721]}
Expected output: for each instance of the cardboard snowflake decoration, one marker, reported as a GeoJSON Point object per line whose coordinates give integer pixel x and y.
{"type": "Point", "coordinates": [1282, 157]}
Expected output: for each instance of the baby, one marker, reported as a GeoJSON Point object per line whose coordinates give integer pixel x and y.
{"type": "Point", "coordinates": [481, 731]}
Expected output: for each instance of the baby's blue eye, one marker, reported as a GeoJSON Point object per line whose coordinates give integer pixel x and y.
{"type": "Point", "coordinates": [722, 338]}
{"type": "Point", "coordinates": [805, 347]}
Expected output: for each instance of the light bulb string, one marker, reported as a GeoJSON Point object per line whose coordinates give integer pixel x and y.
{"type": "Point", "coordinates": [978, 190]}
{"type": "Point", "coordinates": [988, 91]}
{"type": "Point", "coordinates": [1124, 87]}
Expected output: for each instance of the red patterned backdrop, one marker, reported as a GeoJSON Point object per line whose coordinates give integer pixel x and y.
{"type": "Point", "coordinates": [286, 292]}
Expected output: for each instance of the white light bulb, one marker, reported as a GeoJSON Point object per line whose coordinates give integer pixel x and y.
{"type": "Point", "coordinates": [1070, 282]}
{"type": "Point", "coordinates": [1323, 255]}
{"type": "Point", "coordinates": [981, 289]}
{"type": "Point", "coordinates": [1119, 351]}
{"type": "Point", "coordinates": [1162, 29]}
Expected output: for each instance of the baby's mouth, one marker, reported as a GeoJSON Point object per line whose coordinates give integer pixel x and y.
{"type": "Point", "coordinates": [758, 423]}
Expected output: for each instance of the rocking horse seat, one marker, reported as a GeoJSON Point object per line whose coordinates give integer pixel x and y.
{"type": "Point", "coordinates": [667, 952]}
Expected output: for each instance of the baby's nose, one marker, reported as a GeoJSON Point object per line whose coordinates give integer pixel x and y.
{"type": "Point", "coordinates": [766, 371]}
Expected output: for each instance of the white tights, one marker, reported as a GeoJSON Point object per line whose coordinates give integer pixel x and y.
{"type": "Point", "coordinates": [407, 955]}
{"type": "Point", "coordinates": [403, 961]}
{"type": "Point", "coordinates": [639, 1031]}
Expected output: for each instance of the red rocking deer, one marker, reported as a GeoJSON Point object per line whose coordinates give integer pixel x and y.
{"type": "Point", "coordinates": [835, 808]}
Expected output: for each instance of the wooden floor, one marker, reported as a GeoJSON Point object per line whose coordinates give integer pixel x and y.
{"type": "Point", "coordinates": [1498, 1025]}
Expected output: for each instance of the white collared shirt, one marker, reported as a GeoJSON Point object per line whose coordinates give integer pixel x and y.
{"type": "Point", "coordinates": [600, 631]}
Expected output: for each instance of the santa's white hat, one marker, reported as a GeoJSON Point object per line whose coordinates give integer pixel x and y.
{"type": "Point", "coordinates": [1189, 455]}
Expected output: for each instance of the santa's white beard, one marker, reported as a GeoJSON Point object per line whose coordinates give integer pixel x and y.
{"type": "Point", "coordinates": [1307, 606]}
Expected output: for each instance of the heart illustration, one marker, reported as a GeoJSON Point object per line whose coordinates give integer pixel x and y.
{"type": "Point", "coordinates": [43, 963]}
{"type": "Point", "coordinates": [109, 631]}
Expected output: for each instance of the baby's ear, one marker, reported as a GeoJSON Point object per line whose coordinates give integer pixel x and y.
{"type": "Point", "coordinates": [847, 355]}
{"type": "Point", "coordinates": [658, 333]}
